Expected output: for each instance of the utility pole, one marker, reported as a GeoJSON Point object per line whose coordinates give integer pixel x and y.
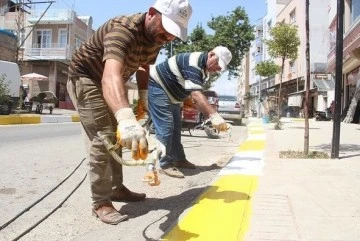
{"type": "Point", "coordinates": [338, 79]}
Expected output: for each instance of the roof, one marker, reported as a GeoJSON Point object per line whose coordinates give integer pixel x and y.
{"type": "Point", "coordinates": [7, 32]}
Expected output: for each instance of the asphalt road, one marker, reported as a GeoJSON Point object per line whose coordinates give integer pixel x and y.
{"type": "Point", "coordinates": [35, 159]}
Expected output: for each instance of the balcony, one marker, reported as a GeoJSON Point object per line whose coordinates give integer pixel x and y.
{"type": "Point", "coordinates": [351, 42]}
{"type": "Point", "coordinates": [52, 16]}
{"type": "Point", "coordinates": [48, 52]}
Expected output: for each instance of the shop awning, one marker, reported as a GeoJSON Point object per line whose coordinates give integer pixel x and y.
{"type": "Point", "coordinates": [324, 84]}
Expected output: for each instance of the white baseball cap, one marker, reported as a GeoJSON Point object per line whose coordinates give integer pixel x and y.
{"type": "Point", "coordinates": [175, 16]}
{"type": "Point", "coordinates": [224, 55]}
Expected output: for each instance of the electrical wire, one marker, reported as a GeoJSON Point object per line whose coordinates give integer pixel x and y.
{"type": "Point", "coordinates": [40, 199]}
{"type": "Point", "coordinates": [48, 215]}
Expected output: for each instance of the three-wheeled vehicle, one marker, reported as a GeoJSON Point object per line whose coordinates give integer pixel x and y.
{"type": "Point", "coordinates": [43, 100]}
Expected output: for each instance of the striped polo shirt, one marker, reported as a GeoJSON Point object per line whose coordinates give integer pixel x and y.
{"type": "Point", "coordinates": [122, 38]}
{"type": "Point", "coordinates": [181, 74]}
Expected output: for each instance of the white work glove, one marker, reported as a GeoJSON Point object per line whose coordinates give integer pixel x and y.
{"type": "Point", "coordinates": [218, 122]}
{"type": "Point", "coordinates": [130, 134]}
{"type": "Point", "coordinates": [160, 148]}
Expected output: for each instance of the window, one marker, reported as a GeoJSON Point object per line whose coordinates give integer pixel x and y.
{"type": "Point", "coordinates": [62, 39]}
{"type": "Point", "coordinates": [43, 38]}
{"type": "Point", "coordinates": [292, 67]}
{"type": "Point", "coordinates": [355, 9]}
{"type": "Point", "coordinates": [292, 17]}
{"type": "Point", "coordinates": [78, 41]}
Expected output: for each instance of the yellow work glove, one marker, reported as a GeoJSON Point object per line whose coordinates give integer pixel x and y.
{"type": "Point", "coordinates": [218, 122]}
{"type": "Point", "coordinates": [142, 105]}
{"type": "Point", "coordinates": [130, 134]}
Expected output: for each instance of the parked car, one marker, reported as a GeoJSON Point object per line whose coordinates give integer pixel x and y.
{"type": "Point", "coordinates": [230, 109]}
{"type": "Point", "coordinates": [213, 98]}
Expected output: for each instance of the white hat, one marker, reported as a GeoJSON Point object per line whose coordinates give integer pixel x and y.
{"type": "Point", "coordinates": [224, 55]}
{"type": "Point", "coordinates": [175, 16]}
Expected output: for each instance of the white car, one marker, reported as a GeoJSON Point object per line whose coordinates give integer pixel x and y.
{"type": "Point", "coordinates": [230, 109]}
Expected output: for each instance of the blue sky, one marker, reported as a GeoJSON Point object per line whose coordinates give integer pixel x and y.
{"type": "Point", "coordinates": [203, 10]}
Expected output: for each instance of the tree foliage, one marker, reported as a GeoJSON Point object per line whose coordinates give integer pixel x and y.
{"type": "Point", "coordinates": [233, 31]}
{"type": "Point", "coordinates": [4, 89]}
{"type": "Point", "coordinates": [267, 68]}
{"type": "Point", "coordinates": [284, 42]}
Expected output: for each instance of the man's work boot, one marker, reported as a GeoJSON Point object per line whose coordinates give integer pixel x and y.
{"type": "Point", "coordinates": [108, 214]}
{"type": "Point", "coordinates": [184, 164]}
{"type": "Point", "coordinates": [171, 172]}
{"type": "Point", "coordinates": [125, 195]}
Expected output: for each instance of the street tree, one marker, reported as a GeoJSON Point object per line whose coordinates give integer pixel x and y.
{"type": "Point", "coordinates": [266, 69]}
{"type": "Point", "coordinates": [284, 44]}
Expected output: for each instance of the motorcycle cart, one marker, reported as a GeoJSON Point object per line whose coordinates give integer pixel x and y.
{"type": "Point", "coordinates": [43, 100]}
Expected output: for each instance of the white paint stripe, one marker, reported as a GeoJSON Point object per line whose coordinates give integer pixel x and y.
{"type": "Point", "coordinates": [257, 137]}
{"type": "Point", "coordinates": [55, 119]}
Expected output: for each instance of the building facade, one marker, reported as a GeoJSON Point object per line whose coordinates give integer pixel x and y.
{"type": "Point", "coordinates": [48, 41]}
{"type": "Point", "coordinates": [351, 49]}
{"type": "Point", "coordinates": [293, 79]}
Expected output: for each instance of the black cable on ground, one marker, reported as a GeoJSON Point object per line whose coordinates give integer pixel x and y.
{"type": "Point", "coordinates": [40, 199]}
{"type": "Point", "coordinates": [48, 215]}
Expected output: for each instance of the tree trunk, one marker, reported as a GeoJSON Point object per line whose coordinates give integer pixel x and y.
{"type": "Point", "coordinates": [307, 56]}
{"type": "Point", "coordinates": [280, 97]}
{"type": "Point", "coordinates": [352, 108]}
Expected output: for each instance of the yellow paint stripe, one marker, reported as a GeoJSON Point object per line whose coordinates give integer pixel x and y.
{"type": "Point", "coordinates": [256, 132]}
{"type": "Point", "coordinates": [75, 118]}
{"type": "Point", "coordinates": [252, 145]}
{"type": "Point", "coordinates": [19, 119]}
{"type": "Point", "coordinates": [222, 213]}
{"type": "Point", "coordinates": [30, 119]}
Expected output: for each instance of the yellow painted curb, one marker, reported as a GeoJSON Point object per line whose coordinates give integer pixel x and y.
{"type": "Point", "coordinates": [252, 145]}
{"type": "Point", "coordinates": [75, 118]}
{"type": "Point", "coordinates": [221, 213]}
{"type": "Point", "coordinates": [19, 119]}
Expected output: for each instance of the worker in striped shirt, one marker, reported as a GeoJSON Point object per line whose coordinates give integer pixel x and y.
{"type": "Point", "coordinates": [170, 83]}
{"type": "Point", "coordinates": [98, 71]}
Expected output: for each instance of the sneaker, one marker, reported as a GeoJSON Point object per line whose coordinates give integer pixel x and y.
{"type": "Point", "coordinates": [171, 172]}
{"type": "Point", "coordinates": [184, 164]}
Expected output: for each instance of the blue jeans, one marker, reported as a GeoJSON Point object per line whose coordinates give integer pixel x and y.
{"type": "Point", "coordinates": [167, 122]}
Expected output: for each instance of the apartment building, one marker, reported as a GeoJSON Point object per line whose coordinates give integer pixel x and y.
{"type": "Point", "coordinates": [49, 39]}
{"type": "Point", "coordinates": [293, 79]}
{"type": "Point", "coordinates": [258, 52]}
{"type": "Point", "coordinates": [243, 87]}
{"type": "Point", "coordinates": [8, 46]}
{"type": "Point", "coordinates": [351, 48]}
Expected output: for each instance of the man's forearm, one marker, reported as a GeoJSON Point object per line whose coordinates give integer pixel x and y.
{"type": "Point", "coordinates": [115, 93]}
{"type": "Point", "coordinates": [202, 103]}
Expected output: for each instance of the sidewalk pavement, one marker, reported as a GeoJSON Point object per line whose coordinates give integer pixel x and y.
{"type": "Point", "coordinates": [257, 196]}
{"type": "Point", "coordinates": [23, 117]}
{"type": "Point", "coordinates": [308, 199]}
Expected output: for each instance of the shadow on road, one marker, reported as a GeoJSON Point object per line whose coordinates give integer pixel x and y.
{"type": "Point", "coordinates": [176, 205]}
